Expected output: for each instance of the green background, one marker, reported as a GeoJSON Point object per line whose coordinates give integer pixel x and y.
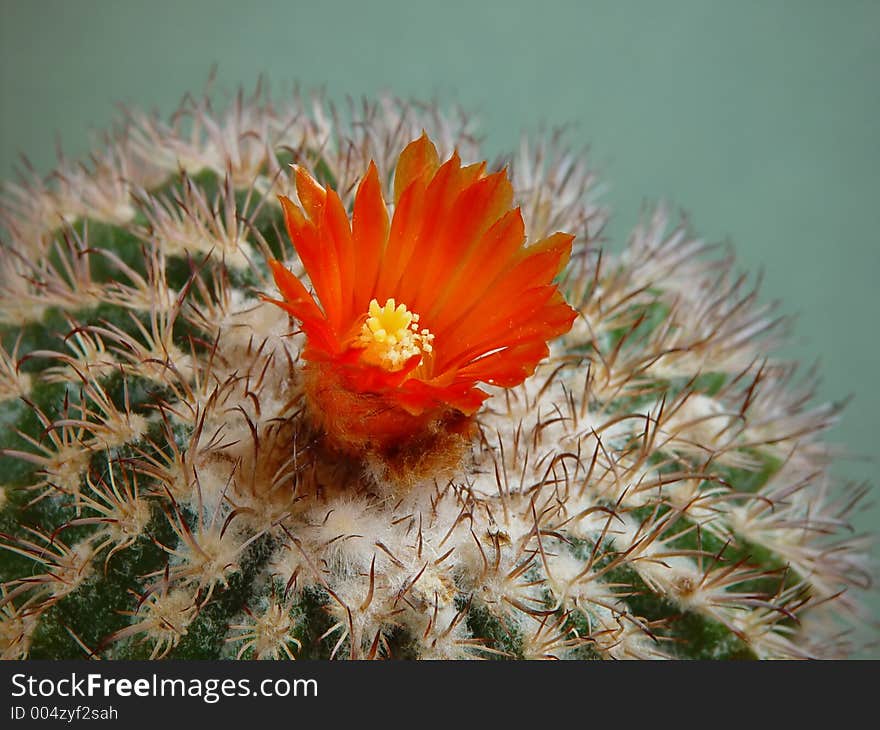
{"type": "Point", "coordinates": [760, 119]}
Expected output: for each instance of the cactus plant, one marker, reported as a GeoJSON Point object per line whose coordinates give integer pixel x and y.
{"type": "Point", "coordinates": [222, 438]}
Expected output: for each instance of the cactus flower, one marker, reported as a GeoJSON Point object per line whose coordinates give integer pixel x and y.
{"type": "Point", "coordinates": [410, 314]}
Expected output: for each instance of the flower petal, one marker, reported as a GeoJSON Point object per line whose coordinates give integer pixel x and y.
{"type": "Point", "coordinates": [310, 194]}
{"type": "Point", "coordinates": [491, 255]}
{"type": "Point", "coordinates": [306, 240]}
{"type": "Point", "coordinates": [476, 208]}
{"type": "Point", "coordinates": [440, 195]}
{"type": "Point", "coordinates": [507, 367]}
{"type": "Point", "coordinates": [513, 288]}
{"type": "Point", "coordinates": [418, 397]}
{"type": "Point", "coordinates": [370, 228]}
{"type": "Point", "coordinates": [298, 302]}
{"type": "Point", "coordinates": [336, 235]}
{"type": "Point", "coordinates": [418, 161]}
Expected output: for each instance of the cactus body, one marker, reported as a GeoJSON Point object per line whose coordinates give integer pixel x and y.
{"type": "Point", "coordinates": [658, 488]}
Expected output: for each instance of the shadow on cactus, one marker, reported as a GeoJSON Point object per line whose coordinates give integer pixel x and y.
{"type": "Point", "coordinates": [286, 381]}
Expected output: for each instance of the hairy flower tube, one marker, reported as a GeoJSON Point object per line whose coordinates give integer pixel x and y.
{"type": "Point", "coordinates": [412, 310]}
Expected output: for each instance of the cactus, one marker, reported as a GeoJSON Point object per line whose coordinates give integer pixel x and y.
{"type": "Point", "coordinates": [177, 482]}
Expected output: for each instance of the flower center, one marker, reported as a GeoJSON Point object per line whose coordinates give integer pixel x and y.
{"type": "Point", "coordinates": [391, 336]}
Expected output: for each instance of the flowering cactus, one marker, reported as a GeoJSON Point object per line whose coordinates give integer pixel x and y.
{"type": "Point", "coordinates": [292, 382]}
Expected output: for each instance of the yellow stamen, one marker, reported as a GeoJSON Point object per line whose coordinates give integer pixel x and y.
{"type": "Point", "coordinates": [391, 336]}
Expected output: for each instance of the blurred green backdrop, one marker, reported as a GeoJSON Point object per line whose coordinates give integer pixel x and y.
{"type": "Point", "coordinates": [758, 118]}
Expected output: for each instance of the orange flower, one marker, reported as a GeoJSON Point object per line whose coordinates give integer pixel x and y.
{"type": "Point", "coordinates": [410, 314]}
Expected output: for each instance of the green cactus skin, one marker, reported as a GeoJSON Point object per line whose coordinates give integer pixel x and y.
{"type": "Point", "coordinates": [658, 489]}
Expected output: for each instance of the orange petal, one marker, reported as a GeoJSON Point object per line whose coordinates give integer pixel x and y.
{"type": "Point", "coordinates": [418, 397]}
{"type": "Point", "coordinates": [419, 160]}
{"type": "Point", "coordinates": [491, 255]}
{"type": "Point", "coordinates": [442, 191]}
{"type": "Point", "coordinates": [494, 328]}
{"type": "Point", "coordinates": [319, 259]}
{"type": "Point", "coordinates": [536, 270]}
{"type": "Point", "coordinates": [507, 368]}
{"type": "Point", "coordinates": [364, 378]}
{"type": "Point", "coordinates": [310, 194]}
{"type": "Point", "coordinates": [298, 302]}
{"type": "Point", "coordinates": [474, 211]}
{"type": "Point", "coordinates": [543, 316]}
{"type": "Point", "coordinates": [370, 226]}
{"type": "Point", "coordinates": [303, 236]}
{"type": "Point", "coordinates": [402, 238]}
{"type": "Point", "coordinates": [557, 242]}
{"type": "Point", "coordinates": [292, 289]}
{"type": "Point", "coordinates": [336, 233]}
